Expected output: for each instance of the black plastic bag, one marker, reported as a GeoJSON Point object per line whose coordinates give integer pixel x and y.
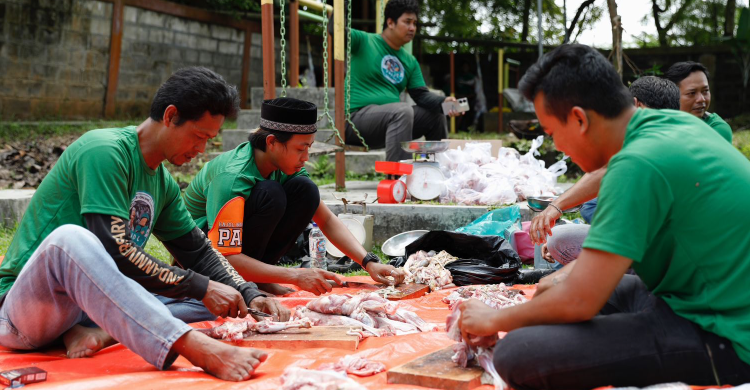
{"type": "Point", "coordinates": [482, 259]}
{"type": "Point", "coordinates": [299, 250]}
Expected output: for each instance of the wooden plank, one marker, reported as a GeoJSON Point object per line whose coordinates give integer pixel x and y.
{"type": "Point", "coordinates": [293, 44]}
{"type": "Point", "coordinates": [436, 370]}
{"type": "Point", "coordinates": [115, 49]}
{"type": "Point", "coordinates": [408, 291]}
{"type": "Point", "coordinates": [338, 55]}
{"type": "Point", "coordinates": [192, 13]}
{"type": "Point", "coordinates": [269, 62]}
{"type": "Point", "coordinates": [315, 337]}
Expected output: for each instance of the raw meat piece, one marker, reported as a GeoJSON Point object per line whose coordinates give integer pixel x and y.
{"type": "Point", "coordinates": [395, 327]}
{"type": "Point", "coordinates": [320, 319]}
{"type": "Point", "coordinates": [273, 327]}
{"type": "Point", "coordinates": [410, 317]}
{"type": "Point", "coordinates": [355, 365]}
{"type": "Point", "coordinates": [429, 268]}
{"type": "Point", "coordinates": [463, 353]}
{"type": "Point", "coordinates": [296, 378]}
{"type": "Point", "coordinates": [238, 329]}
{"type": "Point", "coordinates": [331, 304]}
{"type": "Point", "coordinates": [496, 296]}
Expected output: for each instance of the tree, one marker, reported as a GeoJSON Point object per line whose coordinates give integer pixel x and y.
{"type": "Point", "coordinates": [692, 22]}
{"type": "Point", "coordinates": [584, 6]}
{"type": "Point", "coordinates": [658, 12]}
{"type": "Point", "coordinates": [616, 34]}
{"type": "Point", "coordinates": [729, 12]}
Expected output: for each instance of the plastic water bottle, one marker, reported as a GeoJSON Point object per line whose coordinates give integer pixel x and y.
{"type": "Point", "coordinates": [318, 248]}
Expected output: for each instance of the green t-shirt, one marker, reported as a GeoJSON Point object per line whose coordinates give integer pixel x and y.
{"type": "Point", "coordinates": [674, 200]}
{"type": "Point", "coordinates": [103, 172]}
{"type": "Point", "coordinates": [216, 197]}
{"type": "Point", "coordinates": [718, 124]}
{"type": "Point", "coordinates": [379, 73]}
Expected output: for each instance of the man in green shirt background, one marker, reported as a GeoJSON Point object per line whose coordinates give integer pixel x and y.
{"type": "Point", "coordinates": [78, 256]}
{"type": "Point", "coordinates": [695, 96]}
{"type": "Point", "coordinates": [381, 70]}
{"type": "Point", "coordinates": [687, 318]}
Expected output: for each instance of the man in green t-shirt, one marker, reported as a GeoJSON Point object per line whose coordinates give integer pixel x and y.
{"type": "Point", "coordinates": [255, 200]}
{"type": "Point", "coordinates": [78, 256]}
{"type": "Point", "coordinates": [695, 97]}
{"type": "Point", "coordinates": [381, 70]}
{"type": "Point", "coordinates": [687, 318]}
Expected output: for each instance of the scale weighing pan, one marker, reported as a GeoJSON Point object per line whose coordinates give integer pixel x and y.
{"type": "Point", "coordinates": [357, 230]}
{"type": "Point", "coordinates": [425, 146]}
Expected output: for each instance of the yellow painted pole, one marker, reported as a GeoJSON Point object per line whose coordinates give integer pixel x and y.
{"type": "Point", "coordinates": [378, 17]}
{"type": "Point", "coordinates": [500, 86]}
{"type": "Point", "coordinates": [338, 60]}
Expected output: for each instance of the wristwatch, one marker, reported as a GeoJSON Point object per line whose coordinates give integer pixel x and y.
{"type": "Point", "coordinates": [368, 258]}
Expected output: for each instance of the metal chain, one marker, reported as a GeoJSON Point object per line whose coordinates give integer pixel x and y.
{"type": "Point", "coordinates": [326, 113]}
{"type": "Point", "coordinates": [283, 50]}
{"type": "Point", "coordinates": [348, 89]}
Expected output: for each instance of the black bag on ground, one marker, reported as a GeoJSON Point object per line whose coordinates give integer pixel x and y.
{"type": "Point", "coordinates": [482, 259]}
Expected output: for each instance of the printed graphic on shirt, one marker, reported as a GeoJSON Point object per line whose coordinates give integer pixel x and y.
{"type": "Point", "coordinates": [226, 231]}
{"type": "Point", "coordinates": [392, 68]}
{"type": "Point", "coordinates": [141, 218]}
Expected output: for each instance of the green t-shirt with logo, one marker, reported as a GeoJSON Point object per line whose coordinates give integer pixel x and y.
{"type": "Point", "coordinates": [379, 73]}
{"type": "Point", "coordinates": [216, 197]}
{"type": "Point", "coordinates": [674, 200]}
{"type": "Point", "coordinates": [718, 124]}
{"type": "Point", "coordinates": [103, 172]}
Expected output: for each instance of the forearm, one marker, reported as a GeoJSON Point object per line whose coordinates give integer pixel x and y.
{"type": "Point", "coordinates": [426, 99]}
{"type": "Point", "coordinates": [260, 272]}
{"type": "Point", "coordinates": [584, 190]}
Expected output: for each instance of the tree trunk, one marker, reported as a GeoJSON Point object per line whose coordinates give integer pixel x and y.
{"type": "Point", "coordinates": [569, 31]}
{"type": "Point", "coordinates": [525, 29]}
{"type": "Point", "coordinates": [729, 12]}
{"type": "Point", "coordinates": [616, 34]}
{"type": "Point", "coordinates": [676, 17]}
{"type": "Point", "coordinates": [662, 34]}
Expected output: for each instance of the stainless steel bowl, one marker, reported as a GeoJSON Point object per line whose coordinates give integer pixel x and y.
{"type": "Point", "coordinates": [396, 245]}
{"type": "Point", "coordinates": [425, 146]}
{"type": "Point", "coordinates": [539, 203]}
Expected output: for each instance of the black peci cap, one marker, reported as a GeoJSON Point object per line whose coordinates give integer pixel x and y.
{"type": "Point", "coordinates": [289, 115]}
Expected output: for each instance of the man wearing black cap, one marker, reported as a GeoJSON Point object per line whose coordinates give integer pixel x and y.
{"type": "Point", "coordinates": [255, 200]}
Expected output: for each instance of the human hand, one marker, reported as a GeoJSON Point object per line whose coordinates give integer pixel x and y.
{"type": "Point", "coordinates": [224, 301]}
{"type": "Point", "coordinates": [380, 272]}
{"type": "Point", "coordinates": [452, 113]}
{"type": "Point", "coordinates": [315, 280]}
{"type": "Point", "coordinates": [546, 255]}
{"type": "Point", "coordinates": [541, 225]}
{"type": "Point", "coordinates": [270, 306]}
{"type": "Point", "coordinates": [478, 319]}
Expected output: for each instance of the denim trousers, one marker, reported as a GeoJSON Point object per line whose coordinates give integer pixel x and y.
{"type": "Point", "coordinates": [636, 340]}
{"type": "Point", "coordinates": [71, 276]}
{"type": "Point", "coordinates": [565, 243]}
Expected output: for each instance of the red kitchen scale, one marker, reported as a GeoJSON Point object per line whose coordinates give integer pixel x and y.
{"type": "Point", "coordinates": [392, 191]}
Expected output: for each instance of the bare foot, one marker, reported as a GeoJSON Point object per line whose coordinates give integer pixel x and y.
{"type": "Point", "coordinates": [221, 360]}
{"type": "Point", "coordinates": [275, 289]}
{"type": "Point", "coordinates": [81, 341]}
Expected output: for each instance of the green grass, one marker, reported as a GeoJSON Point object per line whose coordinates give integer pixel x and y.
{"type": "Point", "coordinates": [6, 235]}
{"type": "Point", "coordinates": [17, 131]}
{"type": "Point", "coordinates": [741, 140]}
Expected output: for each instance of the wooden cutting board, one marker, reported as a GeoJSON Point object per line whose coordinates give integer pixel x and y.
{"type": "Point", "coordinates": [408, 291]}
{"type": "Point", "coordinates": [436, 370]}
{"type": "Point", "coordinates": [315, 337]}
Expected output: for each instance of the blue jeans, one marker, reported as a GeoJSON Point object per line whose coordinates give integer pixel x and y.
{"type": "Point", "coordinates": [588, 209]}
{"type": "Point", "coordinates": [71, 275]}
{"type": "Point", "coordinates": [187, 309]}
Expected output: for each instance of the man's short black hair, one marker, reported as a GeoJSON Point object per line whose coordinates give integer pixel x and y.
{"type": "Point", "coordinates": [681, 70]}
{"type": "Point", "coordinates": [395, 8]}
{"type": "Point", "coordinates": [656, 92]}
{"type": "Point", "coordinates": [194, 91]}
{"type": "Point", "coordinates": [576, 75]}
{"type": "Point", "coordinates": [258, 138]}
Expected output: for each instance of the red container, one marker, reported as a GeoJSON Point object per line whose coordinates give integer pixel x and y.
{"type": "Point", "coordinates": [393, 168]}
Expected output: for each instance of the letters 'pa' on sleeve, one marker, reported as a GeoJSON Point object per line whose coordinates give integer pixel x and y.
{"type": "Point", "coordinates": [226, 231]}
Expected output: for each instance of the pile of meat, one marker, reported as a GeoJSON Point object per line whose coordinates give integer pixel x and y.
{"type": "Point", "coordinates": [429, 268]}
{"type": "Point", "coordinates": [463, 353]}
{"type": "Point", "coordinates": [296, 378]}
{"type": "Point", "coordinates": [238, 329]}
{"type": "Point", "coordinates": [370, 312]}
{"type": "Point", "coordinates": [474, 176]}
{"type": "Point", "coordinates": [496, 296]}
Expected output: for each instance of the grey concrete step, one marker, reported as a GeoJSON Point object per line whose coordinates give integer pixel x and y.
{"type": "Point", "coordinates": [312, 95]}
{"type": "Point", "coordinates": [231, 138]}
{"type": "Point", "coordinates": [361, 163]}
{"type": "Point", "coordinates": [250, 119]}
{"type": "Point", "coordinates": [13, 204]}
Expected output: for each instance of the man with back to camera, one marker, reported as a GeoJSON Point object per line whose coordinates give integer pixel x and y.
{"type": "Point", "coordinates": [685, 316]}
{"type": "Point", "coordinates": [78, 252]}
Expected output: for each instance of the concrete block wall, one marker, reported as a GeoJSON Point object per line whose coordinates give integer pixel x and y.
{"type": "Point", "coordinates": [53, 58]}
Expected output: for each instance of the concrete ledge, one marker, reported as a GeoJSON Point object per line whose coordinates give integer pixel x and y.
{"type": "Point", "coordinates": [360, 163]}
{"type": "Point", "coordinates": [13, 204]}
{"type": "Point", "coordinates": [313, 95]}
{"type": "Point", "coordinates": [391, 219]}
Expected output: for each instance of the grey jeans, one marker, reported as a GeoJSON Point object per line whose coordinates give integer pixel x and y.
{"type": "Point", "coordinates": [566, 241]}
{"type": "Point", "coordinates": [387, 125]}
{"type": "Point", "coordinates": [71, 275]}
